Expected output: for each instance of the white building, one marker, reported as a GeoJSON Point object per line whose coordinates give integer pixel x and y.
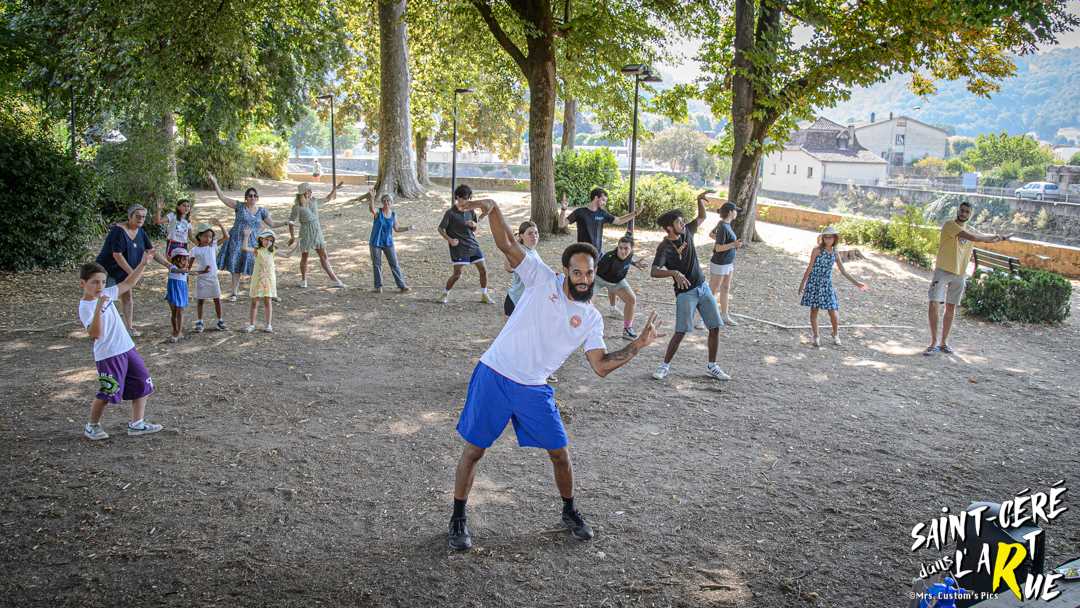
{"type": "Point", "coordinates": [822, 152]}
{"type": "Point", "coordinates": [902, 139]}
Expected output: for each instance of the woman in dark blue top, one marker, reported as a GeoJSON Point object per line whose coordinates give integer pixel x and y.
{"type": "Point", "coordinates": [722, 264]}
{"type": "Point", "coordinates": [121, 253]}
{"type": "Point", "coordinates": [382, 241]}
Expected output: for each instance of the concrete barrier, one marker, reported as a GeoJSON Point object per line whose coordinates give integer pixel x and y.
{"type": "Point", "coordinates": [1062, 259]}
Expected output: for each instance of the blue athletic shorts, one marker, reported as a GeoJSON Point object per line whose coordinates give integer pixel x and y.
{"type": "Point", "coordinates": [493, 400]}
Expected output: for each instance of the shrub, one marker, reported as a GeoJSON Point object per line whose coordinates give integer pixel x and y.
{"type": "Point", "coordinates": [49, 215]}
{"type": "Point", "coordinates": [227, 160]}
{"type": "Point", "coordinates": [1033, 296]}
{"type": "Point", "coordinates": [268, 154]}
{"type": "Point", "coordinates": [911, 238]}
{"type": "Point", "coordinates": [579, 171]}
{"type": "Point", "coordinates": [135, 171]}
{"type": "Point", "coordinates": [1042, 221]}
{"type": "Point", "coordinates": [1032, 173]}
{"type": "Point", "coordinates": [906, 235]}
{"type": "Point", "coordinates": [654, 196]}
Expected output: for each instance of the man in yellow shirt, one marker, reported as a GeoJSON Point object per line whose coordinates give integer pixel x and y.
{"type": "Point", "coordinates": [950, 270]}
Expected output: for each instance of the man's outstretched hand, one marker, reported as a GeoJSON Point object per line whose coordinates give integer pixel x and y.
{"type": "Point", "coordinates": [649, 332]}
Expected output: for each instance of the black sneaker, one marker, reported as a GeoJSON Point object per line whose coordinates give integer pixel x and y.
{"type": "Point", "coordinates": [460, 539]}
{"type": "Point", "coordinates": [628, 333]}
{"type": "Point", "coordinates": [577, 525]}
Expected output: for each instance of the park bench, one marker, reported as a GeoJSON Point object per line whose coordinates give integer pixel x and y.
{"type": "Point", "coordinates": [996, 261]}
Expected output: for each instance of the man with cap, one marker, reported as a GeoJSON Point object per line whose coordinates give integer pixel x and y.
{"type": "Point", "coordinates": [552, 319]}
{"type": "Point", "coordinates": [722, 263]}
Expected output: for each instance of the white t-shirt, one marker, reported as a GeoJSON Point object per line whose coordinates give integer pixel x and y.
{"type": "Point", "coordinates": [545, 328]}
{"type": "Point", "coordinates": [177, 231]}
{"type": "Point", "coordinates": [205, 257]}
{"type": "Point", "coordinates": [114, 338]}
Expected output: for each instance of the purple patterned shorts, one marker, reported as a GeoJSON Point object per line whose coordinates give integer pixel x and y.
{"type": "Point", "coordinates": [123, 378]}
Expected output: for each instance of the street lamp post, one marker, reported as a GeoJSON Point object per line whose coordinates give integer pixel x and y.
{"type": "Point", "coordinates": [453, 154]}
{"type": "Point", "coordinates": [641, 73]}
{"type": "Point", "coordinates": [333, 142]}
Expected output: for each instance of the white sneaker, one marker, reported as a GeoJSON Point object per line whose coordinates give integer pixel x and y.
{"type": "Point", "coordinates": [144, 428]}
{"type": "Point", "coordinates": [249, 329]}
{"type": "Point", "coordinates": [174, 339]}
{"type": "Point", "coordinates": [338, 285]}
{"type": "Point", "coordinates": [94, 432]}
{"type": "Point", "coordinates": [232, 297]}
{"type": "Point", "coordinates": [699, 324]}
{"type": "Point", "coordinates": [661, 371]}
{"type": "Point", "coordinates": [269, 329]}
{"type": "Point", "coordinates": [714, 371]}
{"type": "Point", "coordinates": [816, 341]}
{"type": "Point", "coordinates": [614, 312]}
{"type": "Point", "coordinates": [836, 340]}
{"type": "Point", "coordinates": [303, 284]}
{"type": "Point", "coordinates": [445, 298]}
{"type": "Point", "coordinates": [199, 327]}
{"type": "Point", "coordinates": [485, 298]}
{"type": "Point", "coordinates": [729, 321]}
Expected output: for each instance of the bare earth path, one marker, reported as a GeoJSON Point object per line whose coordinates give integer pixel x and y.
{"type": "Point", "coordinates": [314, 466]}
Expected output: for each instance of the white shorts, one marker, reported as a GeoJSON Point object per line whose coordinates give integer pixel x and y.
{"type": "Point", "coordinates": [720, 270]}
{"type": "Point", "coordinates": [947, 287]}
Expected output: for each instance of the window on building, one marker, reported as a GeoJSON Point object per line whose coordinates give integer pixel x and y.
{"type": "Point", "coordinates": [809, 172]}
{"type": "Point", "coordinates": [900, 139]}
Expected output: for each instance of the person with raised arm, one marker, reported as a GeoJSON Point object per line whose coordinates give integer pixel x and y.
{"type": "Point", "coordinates": [236, 256]}
{"type": "Point", "coordinates": [553, 318]}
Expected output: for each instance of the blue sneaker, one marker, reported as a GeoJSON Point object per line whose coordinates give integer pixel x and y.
{"type": "Point", "coordinates": [931, 350]}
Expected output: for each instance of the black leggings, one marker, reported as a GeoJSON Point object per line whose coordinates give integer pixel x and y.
{"type": "Point", "coordinates": [508, 306]}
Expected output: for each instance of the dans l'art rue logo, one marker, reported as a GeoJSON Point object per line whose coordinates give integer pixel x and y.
{"type": "Point", "coordinates": [999, 547]}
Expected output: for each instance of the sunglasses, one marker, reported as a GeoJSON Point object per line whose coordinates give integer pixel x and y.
{"type": "Point", "coordinates": [251, 196]}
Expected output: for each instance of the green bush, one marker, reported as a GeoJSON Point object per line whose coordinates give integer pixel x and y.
{"type": "Point", "coordinates": [1032, 296]}
{"type": "Point", "coordinates": [226, 160]}
{"type": "Point", "coordinates": [911, 238]}
{"type": "Point", "coordinates": [268, 154]}
{"type": "Point", "coordinates": [49, 215]}
{"type": "Point", "coordinates": [579, 171]}
{"type": "Point", "coordinates": [136, 170]}
{"type": "Point", "coordinates": [654, 196]}
{"type": "Point", "coordinates": [906, 235]}
{"type": "Point", "coordinates": [1032, 173]}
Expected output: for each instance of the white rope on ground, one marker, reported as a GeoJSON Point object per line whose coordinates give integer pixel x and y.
{"type": "Point", "coordinates": [856, 325]}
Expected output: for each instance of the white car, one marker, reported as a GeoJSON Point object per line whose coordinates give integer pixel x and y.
{"type": "Point", "coordinates": [1038, 191]}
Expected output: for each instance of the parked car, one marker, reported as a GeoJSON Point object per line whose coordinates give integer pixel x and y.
{"type": "Point", "coordinates": [1038, 191]}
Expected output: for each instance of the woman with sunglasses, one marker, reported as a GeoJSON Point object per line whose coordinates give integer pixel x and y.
{"type": "Point", "coordinates": [249, 215]}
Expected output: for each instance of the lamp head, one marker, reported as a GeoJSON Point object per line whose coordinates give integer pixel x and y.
{"type": "Point", "coordinates": [634, 69]}
{"type": "Point", "coordinates": [650, 77]}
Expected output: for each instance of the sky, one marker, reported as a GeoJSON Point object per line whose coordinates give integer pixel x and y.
{"type": "Point", "coordinates": [688, 70]}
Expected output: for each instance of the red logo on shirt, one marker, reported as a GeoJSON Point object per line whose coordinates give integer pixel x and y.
{"type": "Point", "coordinates": [575, 321]}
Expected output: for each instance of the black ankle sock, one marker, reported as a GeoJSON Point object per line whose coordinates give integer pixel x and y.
{"type": "Point", "coordinates": [459, 508]}
{"type": "Point", "coordinates": [567, 504]}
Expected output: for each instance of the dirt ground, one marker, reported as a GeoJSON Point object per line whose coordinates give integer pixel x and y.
{"type": "Point", "coordinates": [314, 466]}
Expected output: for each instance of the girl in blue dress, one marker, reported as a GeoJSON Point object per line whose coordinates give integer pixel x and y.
{"type": "Point", "coordinates": [235, 255]}
{"type": "Point", "coordinates": [817, 288]}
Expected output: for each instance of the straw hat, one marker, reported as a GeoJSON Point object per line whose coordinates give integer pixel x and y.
{"type": "Point", "coordinates": [302, 188]}
{"type": "Point", "coordinates": [829, 230]}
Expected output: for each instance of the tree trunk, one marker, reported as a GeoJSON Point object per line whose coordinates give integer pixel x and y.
{"type": "Point", "coordinates": [168, 129]}
{"type": "Point", "coordinates": [748, 132]}
{"type": "Point", "coordinates": [397, 172]}
{"type": "Point", "coordinates": [541, 147]}
{"type": "Point", "coordinates": [421, 160]}
{"type": "Point", "coordinates": [569, 123]}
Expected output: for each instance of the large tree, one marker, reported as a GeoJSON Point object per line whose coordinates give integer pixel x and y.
{"type": "Point", "coordinates": [764, 78]}
{"type": "Point", "coordinates": [593, 42]}
{"type": "Point", "coordinates": [397, 172]}
{"type": "Point", "coordinates": [223, 66]}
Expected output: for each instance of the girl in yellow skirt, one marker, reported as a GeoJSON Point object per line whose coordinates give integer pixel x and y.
{"type": "Point", "coordinates": [263, 278]}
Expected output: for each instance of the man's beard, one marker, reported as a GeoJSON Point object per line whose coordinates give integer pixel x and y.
{"type": "Point", "coordinates": [581, 296]}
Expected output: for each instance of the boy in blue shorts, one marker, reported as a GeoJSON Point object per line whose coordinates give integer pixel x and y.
{"type": "Point", "coordinates": [458, 227]}
{"type": "Point", "coordinates": [552, 318]}
{"type": "Point", "coordinates": [122, 375]}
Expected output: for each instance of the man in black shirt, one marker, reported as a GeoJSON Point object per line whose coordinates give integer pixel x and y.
{"type": "Point", "coordinates": [457, 227]}
{"type": "Point", "coordinates": [611, 273]}
{"type": "Point", "coordinates": [591, 218]}
{"type": "Point", "coordinates": [676, 258]}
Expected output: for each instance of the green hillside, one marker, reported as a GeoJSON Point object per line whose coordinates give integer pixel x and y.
{"type": "Point", "coordinates": [1043, 97]}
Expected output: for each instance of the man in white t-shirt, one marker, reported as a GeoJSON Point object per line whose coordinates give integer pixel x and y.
{"type": "Point", "coordinates": [552, 319]}
{"type": "Point", "coordinates": [122, 375]}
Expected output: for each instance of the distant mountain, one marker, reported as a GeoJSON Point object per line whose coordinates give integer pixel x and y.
{"type": "Point", "coordinates": [1043, 96]}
